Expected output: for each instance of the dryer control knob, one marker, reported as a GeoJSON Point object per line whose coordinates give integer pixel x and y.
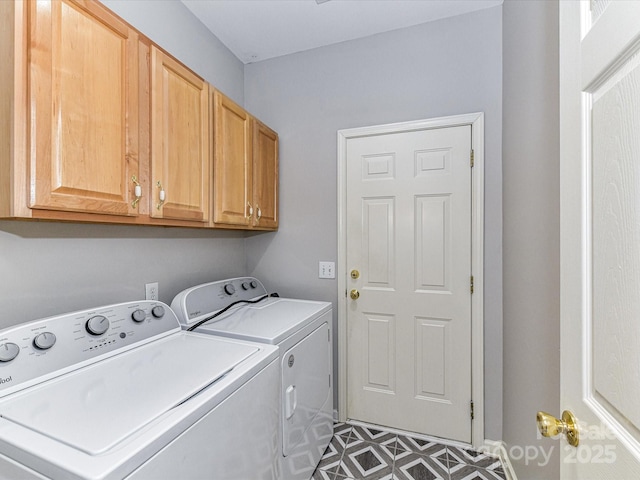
{"type": "Point", "coordinates": [245, 285]}
{"type": "Point", "coordinates": [138, 315]}
{"type": "Point", "coordinates": [229, 289]}
{"type": "Point", "coordinates": [253, 284]}
{"type": "Point", "coordinates": [97, 325]}
{"type": "Point", "coordinates": [158, 311]}
{"type": "Point", "coordinates": [44, 340]}
{"type": "Point", "coordinates": [8, 351]}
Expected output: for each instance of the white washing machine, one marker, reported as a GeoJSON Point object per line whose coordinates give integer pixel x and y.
{"type": "Point", "coordinates": [122, 391]}
{"type": "Point", "coordinates": [241, 308]}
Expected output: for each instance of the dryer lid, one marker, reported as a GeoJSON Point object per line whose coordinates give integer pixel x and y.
{"type": "Point", "coordinates": [95, 408]}
{"type": "Point", "coordinates": [269, 321]}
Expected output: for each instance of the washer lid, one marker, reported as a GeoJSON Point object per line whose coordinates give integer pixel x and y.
{"type": "Point", "coordinates": [95, 408]}
{"type": "Point", "coordinates": [269, 321]}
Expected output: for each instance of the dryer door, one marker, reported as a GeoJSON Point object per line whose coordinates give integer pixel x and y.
{"type": "Point", "coordinates": [305, 385]}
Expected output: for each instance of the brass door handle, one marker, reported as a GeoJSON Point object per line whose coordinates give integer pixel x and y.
{"type": "Point", "coordinates": [354, 294]}
{"type": "Point", "coordinates": [355, 274]}
{"type": "Point", "coordinates": [550, 426]}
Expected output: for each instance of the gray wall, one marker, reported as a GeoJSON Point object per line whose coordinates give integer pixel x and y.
{"type": "Point", "coordinates": [50, 268]}
{"type": "Point", "coordinates": [531, 229]}
{"type": "Point", "coordinates": [173, 27]}
{"type": "Point", "coordinates": [447, 67]}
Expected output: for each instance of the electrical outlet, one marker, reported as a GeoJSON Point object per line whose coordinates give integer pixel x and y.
{"type": "Point", "coordinates": [151, 291]}
{"type": "Point", "coordinates": [326, 270]}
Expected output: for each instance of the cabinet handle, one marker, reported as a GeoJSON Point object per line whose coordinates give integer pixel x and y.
{"type": "Point", "coordinates": [137, 191]}
{"type": "Point", "coordinates": [250, 210]}
{"type": "Point", "coordinates": [162, 196]}
{"type": "Point", "coordinates": [259, 212]}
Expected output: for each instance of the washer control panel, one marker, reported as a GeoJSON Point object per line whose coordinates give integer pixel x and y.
{"type": "Point", "coordinates": [203, 300]}
{"type": "Point", "coordinates": [35, 351]}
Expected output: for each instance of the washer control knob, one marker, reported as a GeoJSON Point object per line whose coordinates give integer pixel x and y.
{"type": "Point", "coordinates": [44, 340]}
{"type": "Point", "coordinates": [253, 284]}
{"type": "Point", "coordinates": [97, 325]}
{"type": "Point", "coordinates": [245, 285]}
{"type": "Point", "coordinates": [229, 289]}
{"type": "Point", "coordinates": [158, 311]}
{"type": "Point", "coordinates": [138, 315]}
{"type": "Point", "coordinates": [8, 351]}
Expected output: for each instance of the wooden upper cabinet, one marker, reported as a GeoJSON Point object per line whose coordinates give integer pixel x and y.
{"type": "Point", "coordinates": [245, 168]}
{"type": "Point", "coordinates": [96, 119]}
{"type": "Point", "coordinates": [265, 176]}
{"type": "Point", "coordinates": [180, 160]}
{"type": "Point", "coordinates": [232, 167]}
{"type": "Point", "coordinates": [82, 108]}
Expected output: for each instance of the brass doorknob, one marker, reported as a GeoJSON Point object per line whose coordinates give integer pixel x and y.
{"type": "Point", "coordinates": [550, 426]}
{"type": "Point", "coordinates": [354, 294]}
{"type": "Point", "coordinates": [355, 274]}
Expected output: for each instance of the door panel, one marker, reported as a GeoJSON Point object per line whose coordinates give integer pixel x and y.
{"type": "Point", "coordinates": [433, 344]}
{"type": "Point", "coordinates": [616, 256]}
{"type": "Point", "coordinates": [409, 235]}
{"type": "Point", "coordinates": [378, 251]}
{"type": "Point", "coordinates": [432, 242]}
{"type": "Point", "coordinates": [600, 250]}
{"type": "Point", "coordinates": [380, 354]}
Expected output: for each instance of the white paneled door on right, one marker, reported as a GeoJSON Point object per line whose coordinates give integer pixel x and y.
{"type": "Point", "coordinates": [408, 242]}
{"type": "Point", "coordinates": [600, 237]}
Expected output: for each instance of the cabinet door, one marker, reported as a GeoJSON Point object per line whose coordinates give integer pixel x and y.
{"type": "Point", "coordinates": [83, 108]}
{"type": "Point", "coordinates": [265, 176]}
{"type": "Point", "coordinates": [180, 141]}
{"type": "Point", "coordinates": [232, 177]}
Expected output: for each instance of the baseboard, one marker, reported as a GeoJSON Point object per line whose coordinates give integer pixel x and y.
{"type": "Point", "coordinates": [498, 449]}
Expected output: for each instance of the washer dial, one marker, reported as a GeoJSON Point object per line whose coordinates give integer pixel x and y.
{"type": "Point", "coordinates": [229, 289]}
{"type": "Point", "coordinates": [158, 311]}
{"type": "Point", "coordinates": [138, 315]}
{"type": "Point", "coordinates": [97, 325]}
{"type": "Point", "coordinates": [8, 351]}
{"type": "Point", "coordinates": [44, 341]}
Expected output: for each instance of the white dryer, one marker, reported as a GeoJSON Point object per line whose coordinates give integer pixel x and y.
{"type": "Point", "coordinates": [122, 391]}
{"type": "Point", "coordinates": [241, 308]}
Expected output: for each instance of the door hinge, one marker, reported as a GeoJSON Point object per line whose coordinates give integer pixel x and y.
{"type": "Point", "coordinates": [329, 336]}
{"type": "Point", "coordinates": [471, 409]}
{"type": "Point", "coordinates": [472, 158]}
{"type": "Point", "coordinates": [471, 284]}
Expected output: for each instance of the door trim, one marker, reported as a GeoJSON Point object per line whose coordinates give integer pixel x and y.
{"type": "Point", "coordinates": [476, 121]}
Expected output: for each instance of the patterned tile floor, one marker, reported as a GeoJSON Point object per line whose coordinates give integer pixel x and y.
{"type": "Point", "coordinates": [362, 453]}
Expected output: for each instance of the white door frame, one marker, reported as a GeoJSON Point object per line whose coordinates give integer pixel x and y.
{"type": "Point", "coordinates": [476, 120]}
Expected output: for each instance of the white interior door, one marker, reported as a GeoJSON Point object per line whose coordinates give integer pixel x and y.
{"type": "Point", "coordinates": [600, 236]}
{"type": "Point", "coordinates": [408, 224]}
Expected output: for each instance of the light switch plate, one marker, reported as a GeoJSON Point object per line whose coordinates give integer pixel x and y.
{"type": "Point", "coordinates": [326, 270]}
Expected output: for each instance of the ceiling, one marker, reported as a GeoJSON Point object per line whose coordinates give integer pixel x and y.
{"type": "Point", "coordinates": [256, 30]}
